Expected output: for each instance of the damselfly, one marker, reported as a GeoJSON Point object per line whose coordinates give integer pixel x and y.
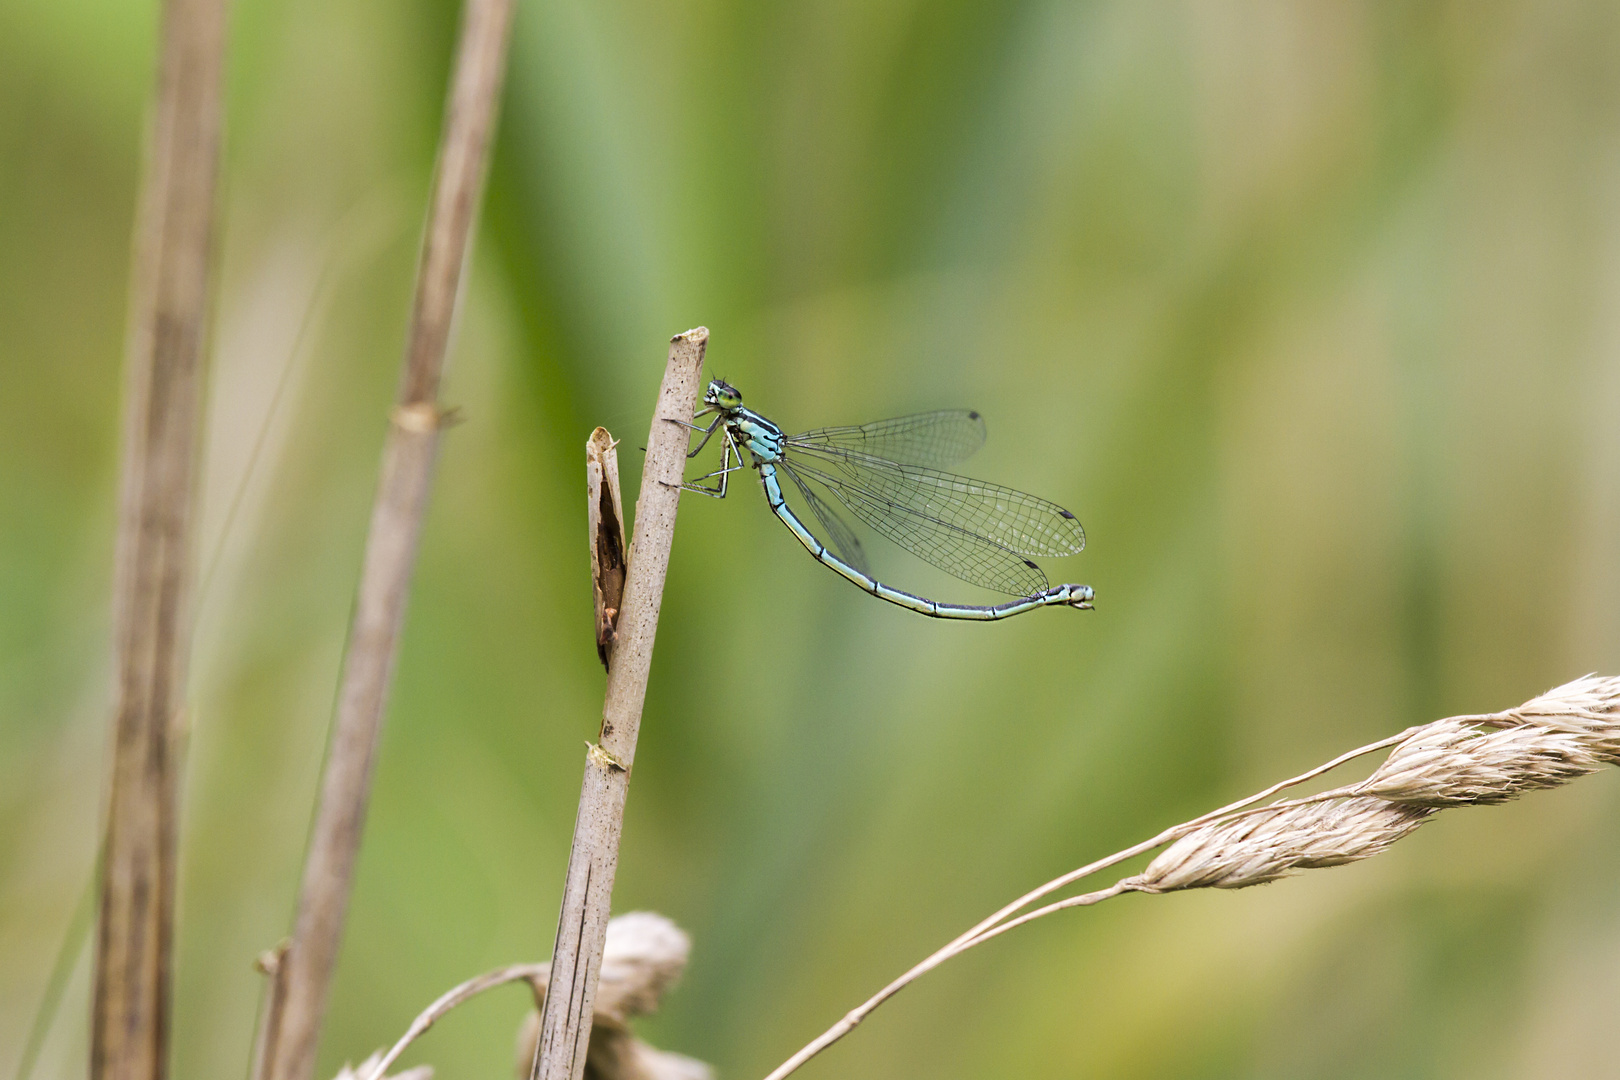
{"type": "Point", "coordinates": [886, 474]}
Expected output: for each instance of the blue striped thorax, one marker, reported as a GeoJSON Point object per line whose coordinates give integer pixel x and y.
{"type": "Point", "coordinates": [761, 438]}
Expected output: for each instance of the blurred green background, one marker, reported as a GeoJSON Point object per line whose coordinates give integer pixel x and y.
{"type": "Point", "coordinates": [1311, 312]}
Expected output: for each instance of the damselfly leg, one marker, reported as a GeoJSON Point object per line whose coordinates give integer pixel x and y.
{"type": "Point", "coordinates": [708, 432]}
{"type": "Point", "coordinates": [730, 462]}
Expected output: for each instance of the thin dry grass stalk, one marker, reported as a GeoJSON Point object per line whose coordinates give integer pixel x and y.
{"type": "Point", "coordinates": [593, 860]}
{"type": "Point", "coordinates": [297, 1003]}
{"type": "Point", "coordinates": [643, 956]}
{"type": "Point", "coordinates": [1481, 760]}
{"type": "Point", "coordinates": [167, 327]}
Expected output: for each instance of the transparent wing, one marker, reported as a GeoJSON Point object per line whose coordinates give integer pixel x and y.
{"type": "Point", "coordinates": [928, 439]}
{"type": "Point", "coordinates": [1020, 523]}
{"type": "Point", "coordinates": [951, 527]}
{"type": "Point", "coordinates": [844, 540]}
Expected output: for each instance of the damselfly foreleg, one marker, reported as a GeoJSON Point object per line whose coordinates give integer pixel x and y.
{"type": "Point", "coordinates": [708, 432]}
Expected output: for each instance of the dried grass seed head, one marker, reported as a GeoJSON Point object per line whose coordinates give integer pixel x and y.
{"type": "Point", "coordinates": [1588, 706]}
{"type": "Point", "coordinates": [1459, 762]}
{"type": "Point", "coordinates": [1568, 732]}
{"type": "Point", "coordinates": [1252, 849]}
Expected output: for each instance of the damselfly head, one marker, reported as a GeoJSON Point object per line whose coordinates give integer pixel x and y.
{"type": "Point", "coordinates": [722, 394]}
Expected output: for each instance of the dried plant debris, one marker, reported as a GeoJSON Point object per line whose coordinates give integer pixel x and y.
{"type": "Point", "coordinates": [643, 957]}
{"type": "Point", "coordinates": [604, 516]}
{"type": "Point", "coordinates": [369, 1066]}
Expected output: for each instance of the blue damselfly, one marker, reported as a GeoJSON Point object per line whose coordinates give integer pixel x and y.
{"type": "Point", "coordinates": [887, 474]}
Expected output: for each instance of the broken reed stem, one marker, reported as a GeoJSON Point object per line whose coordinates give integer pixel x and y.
{"type": "Point", "coordinates": [576, 958]}
{"type": "Point", "coordinates": [604, 522]}
{"type": "Point", "coordinates": [151, 591]}
{"type": "Point", "coordinates": [304, 976]}
{"type": "Point", "coordinates": [1486, 759]}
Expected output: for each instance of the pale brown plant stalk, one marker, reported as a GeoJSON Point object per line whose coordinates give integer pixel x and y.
{"type": "Point", "coordinates": [152, 574]}
{"type": "Point", "coordinates": [296, 1000]}
{"type": "Point", "coordinates": [576, 958]}
{"type": "Point", "coordinates": [1479, 760]}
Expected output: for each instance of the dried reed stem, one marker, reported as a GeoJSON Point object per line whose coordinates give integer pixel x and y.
{"type": "Point", "coordinates": [293, 1030]}
{"type": "Point", "coordinates": [167, 327]}
{"type": "Point", "coordinates": [576, 957]}
{"type": "Point", "coordinates": [1481, 760]}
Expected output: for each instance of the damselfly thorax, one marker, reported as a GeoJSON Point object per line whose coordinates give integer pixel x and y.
{"type": "Point", "coordinates": [755, 434]}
